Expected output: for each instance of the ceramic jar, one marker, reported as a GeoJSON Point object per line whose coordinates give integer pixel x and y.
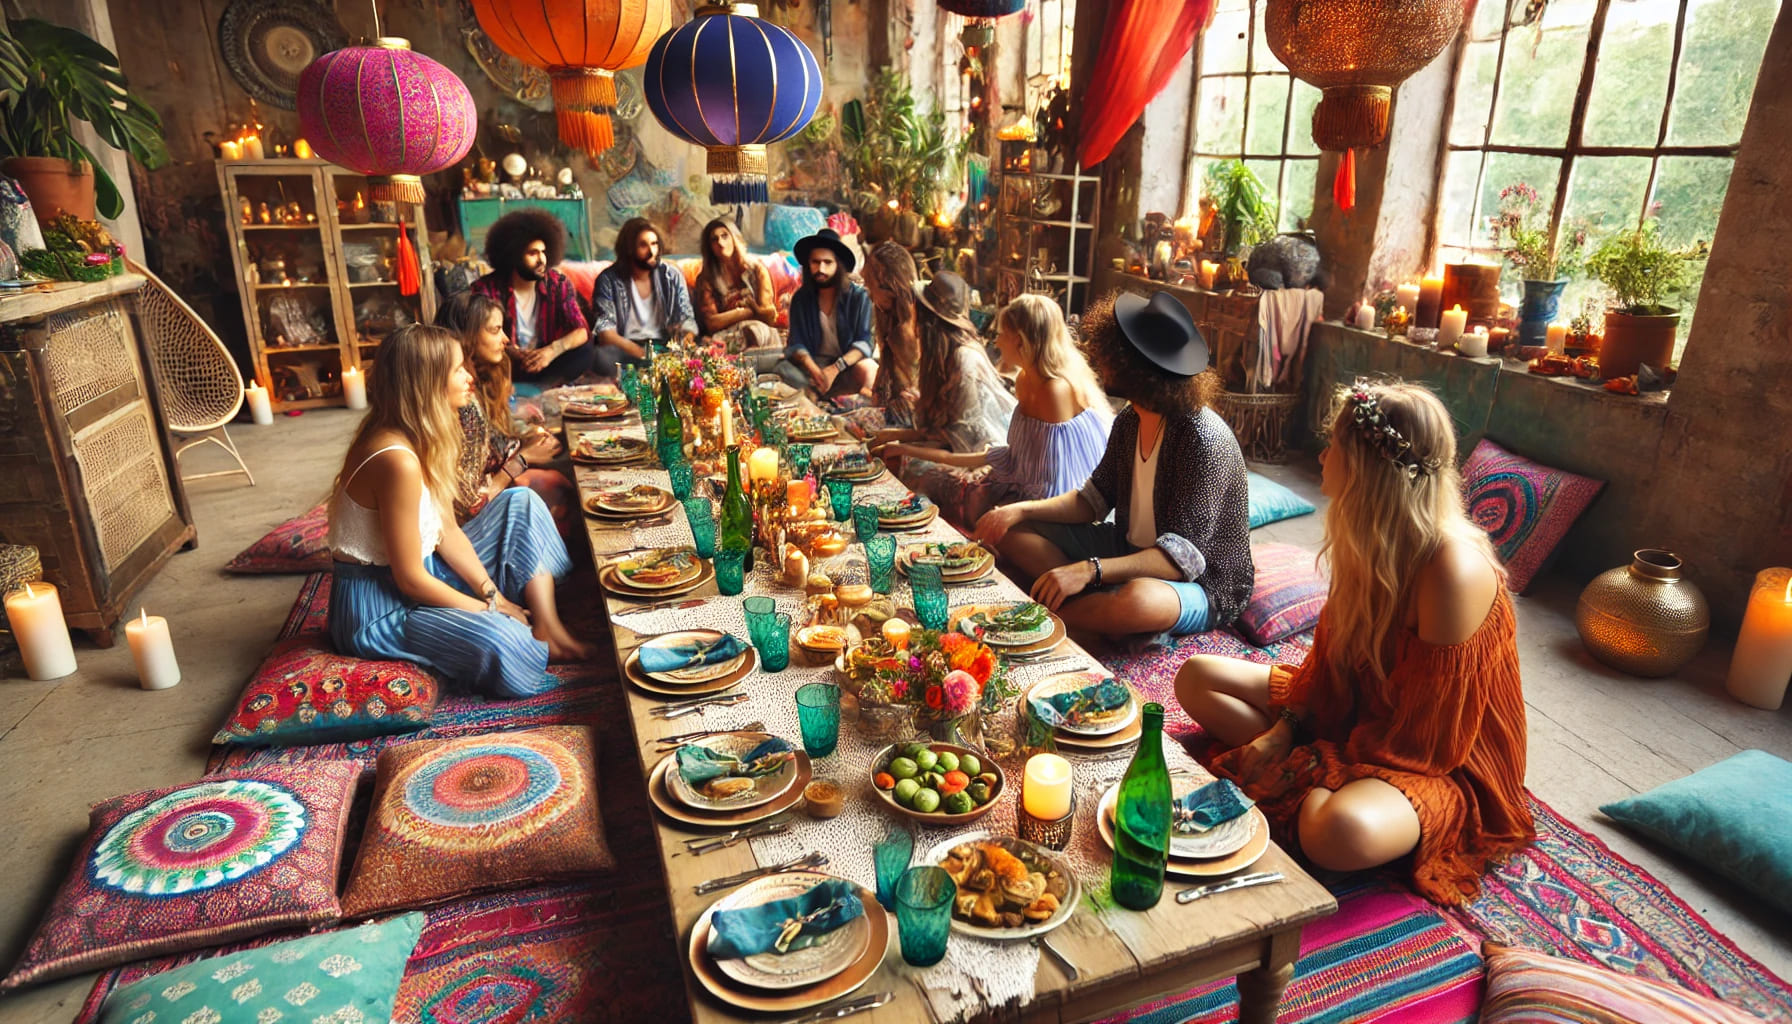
{"type": "Point", "coordinates": [1643, 618]}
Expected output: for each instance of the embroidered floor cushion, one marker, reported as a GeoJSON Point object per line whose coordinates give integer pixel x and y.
{"type": "Point", "coordinates": [185, 867]}
{"type": "Point", "coordinates": [456, 816]}
{"type": "Point", "coordinates": [343, 976]}
{"type": "Point", "coordinates": [1271, 502]}
{"type": "Point", "coordinates": [1526, 987]}
{"type": "Point", "coordinates": [1287, 597]}
{"type": "Point", "coordinates": [1525, 507]}
{"type": "Point", "coordinates": [297, 545]}
{"type": "Point", "coordinates": [305, 693]}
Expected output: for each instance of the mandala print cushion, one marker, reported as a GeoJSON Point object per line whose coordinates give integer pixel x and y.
{"type": "Point", "coordinates": [1525, 507]}
{"type": "Point", "coordinates": [297, 545]}
{"type": "Point", "coordinates": [305, 693]}
{"type": "Point", "coordinates": [497, 810]}
{"type": "Point", "coordinates": [185, 867]}
{"type": "Point", "coordinates": [342, 977]}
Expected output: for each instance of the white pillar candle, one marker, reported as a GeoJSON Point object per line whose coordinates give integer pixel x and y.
{"type": "Point", "coordinates": [229, 150]}
{"type": "Point", "coordinates": [1046, 793]}
{"type": "Point", "coordinates": [1364, 318]}
{"type": "Point", "coordinates": [1762, 664]}
{"type": "Point", "coordinates": [354, 387]}
{"type": "Point", "coordinates": [727, 424]}
{"type": "Point", "coordinates": [259, 409]}
{"type": "Point", "coordinates": [1474, 343]}
{"type": "Point", "coordinates": [1408, 296]}
{"type": "Point", "coordinates": [1450, 326]}
{"type": "Point", "coordinates": [762, 465]}
{"type": "Point", "coordinates": [252, 148]}
{"type": "Point", "coordinates": [153, 651]}
{"type": "Point", "coordinates": [1557, 338]}
{"type": "Point", "coordinates": [34, 611]}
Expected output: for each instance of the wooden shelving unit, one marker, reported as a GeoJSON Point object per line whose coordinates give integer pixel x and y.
{"type": "Point", "coordinates": [1045, 229]}
{"type": "Point", "coordinates": [338, 295]}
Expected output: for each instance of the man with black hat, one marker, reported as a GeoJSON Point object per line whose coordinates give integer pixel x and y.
{"type": "Point", "coordinates": [830, 322]}
{"type": "Point", "coordinates": [1177, 556]}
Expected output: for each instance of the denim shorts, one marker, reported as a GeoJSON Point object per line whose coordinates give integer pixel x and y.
{"type": "Point", "coordinates": [1083, 541]}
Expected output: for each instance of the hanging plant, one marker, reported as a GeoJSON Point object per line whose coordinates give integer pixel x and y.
{"type": "Point", "coordinates": [1242, 202]}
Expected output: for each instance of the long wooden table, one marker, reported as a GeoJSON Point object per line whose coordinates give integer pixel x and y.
{"type": "Point", "coordinates": [1123, 957]}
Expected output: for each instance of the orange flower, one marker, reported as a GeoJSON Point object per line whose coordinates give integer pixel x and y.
{"type": "Point", "coordinates": [952, 643]}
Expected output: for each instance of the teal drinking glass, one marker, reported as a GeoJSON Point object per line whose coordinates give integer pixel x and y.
{"type": "Point", "coordinates": [759, 612]}
{"type": "Point", "coordinates": [774, 434]}
{"type": "Point", "coordinates": [731, 571]}
{"type": "Point", "coordinates": [774, 656]}
{"type": "Point", "coordinates": [924, 914]}
{"type": "Point", "coordinates": [840, 497]}
{"type": "Point", "coordinates": [929, 593]}
{"type": "Point", "coordinates": [702, 517]}
{"type": "Point", "coordinates": [628, 379]}
{"type": "Point", "coordinates": [891, 855]}
{"type": "Point", "coordinates": [800, 456]}
{"type": "Point", "coordinates": [880, 556]}
{"type": "Point", "coordinates": [683, 479]}
{"type": "Point", "coordinates": [925, 576]}
{"type": "Point", "coordinates": [818, 716]}
{"type": "Point", "coordinates": [864, 521]}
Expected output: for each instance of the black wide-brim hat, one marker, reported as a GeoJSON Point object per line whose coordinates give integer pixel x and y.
{"type": "Point", "coordinates": [1163, 331]}
{"type": "Point", "coordinates": [828, 239]}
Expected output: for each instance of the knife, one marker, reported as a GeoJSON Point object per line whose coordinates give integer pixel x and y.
{"type": "Point", "coordinates": [1241, 882]}
{"type": "Point", "coordinates": [661, 606]}
{"type": "Point", "coordinates": [845, 1009]}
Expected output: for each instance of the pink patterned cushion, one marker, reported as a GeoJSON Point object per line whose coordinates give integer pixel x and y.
{"type": "Point", "coordinates": [1288, 596]}
{"type": "Point", "coordinates": [195, 865]}
{"type": "Point", "coordinates": [305, 693]}
{"type": "Point", "coordinates": [1525, 987]}
{"type": "Point", "coordinates": [1525, 507]}
{"type": "Point", "coordinates": [297, 545]}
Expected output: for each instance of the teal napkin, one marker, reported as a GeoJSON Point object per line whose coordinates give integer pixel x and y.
{"type": "Point", "coordinates": [700, 764]}
{"type": "Point", "coordinates": [1072, 706]}
{"type": "Point", "coordinates": [786, 924]}
{"type": "Point", "coordinates": [690, 654]}
{"type": "Point", "coordinates": [1199, 810]}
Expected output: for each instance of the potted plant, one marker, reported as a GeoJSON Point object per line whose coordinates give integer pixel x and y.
{"type": "Point", "coordinates": [1531, 249]}
{"type": "Point", "coordinates": [1242, 204]}
{"type": "Point", "coordinates": [1641, 273]}
{"type": "Point", "coordinates": [51, 78]}
{"type": "Point", "coordinates": [901, 158]}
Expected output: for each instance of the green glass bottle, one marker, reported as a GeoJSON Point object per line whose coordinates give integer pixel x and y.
{"type": "Point", "coordinates": [1142, 819]}
{"type": "Point", "coordinates": [737, 513]}
{"type": "Point", "coordinates": [671, 428]}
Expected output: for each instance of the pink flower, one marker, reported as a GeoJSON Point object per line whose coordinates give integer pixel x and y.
{"type": "Point", "coordinates": [961, 692]}
{"type": "Point", "coordinates": [899, 689]}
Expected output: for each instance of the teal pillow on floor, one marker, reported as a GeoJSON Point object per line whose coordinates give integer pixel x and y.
{"type": "Point", "coordinates": [348, 975]}
{"type": "Point", "coordinates": [1734, 817]}
{"type": "Point", "coordinates": [1271, 502]}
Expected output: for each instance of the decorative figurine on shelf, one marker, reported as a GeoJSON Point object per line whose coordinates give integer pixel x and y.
{"type": "Point", "coordinates": [245, 209]}
{"type": "Point", "coordinates": [1288, 260]}
{"type": "Point", "coordinates": [264, 215]}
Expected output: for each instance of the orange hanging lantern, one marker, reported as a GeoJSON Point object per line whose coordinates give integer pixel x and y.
{"type": "Point", "coordinates": [1356, 52]}
{"type": "Point", "coordinates": [581, 44]}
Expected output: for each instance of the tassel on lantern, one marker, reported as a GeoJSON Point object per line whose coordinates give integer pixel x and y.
{"type": "Point", "coordinates": [410, 278]}
{"type": "Point", "coordinates": [396, 188]}
{"type": "Point", "coordinates": [584, 98]}
{"type": "Point", "coordinates": [1344, 184]}
{"type": "Point", "coordinates": [738, 175]}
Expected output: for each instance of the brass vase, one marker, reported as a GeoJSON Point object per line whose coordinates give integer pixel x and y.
{"type": "Point", "coordinates": [1643, 618]}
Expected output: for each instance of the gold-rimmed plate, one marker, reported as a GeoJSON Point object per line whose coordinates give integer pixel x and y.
{"type": "Point", "coordinates": [608, 449]}
{"type": "Point", "coordinates": [640, 680]}
{"type": "Point", "coordinates": [633, 502]}
{"type": "Point", "coordinates": [1046, 632]}
{"type": "Point", "coordinates": [756, 1000]}
{"type": "Point", "coordinates": [677, 566]}
{"type": "Point", "coordinates": [1183, 867]}
{"type": "Point", "coordinates": [612, 581]}
{"type": "Point", "coordinates": [975, 560]}
{"type": "Point", "coordinates": [1093, 724]}
{"type": "Point", "coordinates": [663, 800]}
{"type": "Point", "coordinates": [830, 954]}
{"type": "Point", "coordinates": [696, 673]}
{"type": "Point", "coordinates": [597, 407]}
{"type": "Point", "coordinates": [1030, 853]}
{"type": "Point", "coordinates": [764, 790]}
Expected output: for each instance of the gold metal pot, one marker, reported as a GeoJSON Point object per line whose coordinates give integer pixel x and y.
{"type": "Point", "coordinates": [1643, 618]}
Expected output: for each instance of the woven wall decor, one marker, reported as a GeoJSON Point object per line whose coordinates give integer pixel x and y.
{"type": "Point", "coordinates": [267, 43]}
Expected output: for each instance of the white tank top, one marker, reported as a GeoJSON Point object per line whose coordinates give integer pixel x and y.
{"type": "Point", "coordinates": [355, 529]}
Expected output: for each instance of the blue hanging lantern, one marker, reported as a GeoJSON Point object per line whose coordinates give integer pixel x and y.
{"type": "Point", "coordinates": [732, 82]}
{"type": "Point", "coordinates": [980, 17]}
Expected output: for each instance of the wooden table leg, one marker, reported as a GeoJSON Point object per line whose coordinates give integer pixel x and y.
{"type": "Point", "coordinates": [1260, 989]}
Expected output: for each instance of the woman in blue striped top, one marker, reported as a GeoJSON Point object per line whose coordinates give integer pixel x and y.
{"type": "Point", "coordinates": [1055, 438]}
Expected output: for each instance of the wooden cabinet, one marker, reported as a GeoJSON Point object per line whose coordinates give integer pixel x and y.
{"type": "Point", "coordinates": [317, 269]}
{"type": "Point", "coordinates": [91, 480]}
{"type": "Point", "coordinates": [1045, 230]}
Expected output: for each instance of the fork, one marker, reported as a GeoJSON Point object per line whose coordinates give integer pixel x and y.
{"type": "Point", "coordinates": [670, 743]}
{"type": "Point", "coordinates": [808, 861]}
{"type": "Point", "coordinates": [710, 844]}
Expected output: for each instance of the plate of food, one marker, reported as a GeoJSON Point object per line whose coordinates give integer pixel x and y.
{"type": "Point", "coordinates": [814, 961]}
{"type": "Point", "coordinates": [810, 428]}
{"type": "Point", "coordinates": [608, 449]}
{"type": "Point", "coordinates": [639, 500]}
{"type": "Point", "coordinates": [1006, 625]}
{"type": "Point", "coordinates": [1252, 824]}
{"type": "Point", "coordinates": [937, 783]}
{"type": "Point", "coordinates": [596, 407]}
{"type": "Point", "coordinates": [856, 466]}
{"type": "Point", "coordinates": [732, 771]}
{"type": "Point", "coordinates": [822, 639]}
{"type": "Point", "coordinates": [1008, 888]}
{"type": "Point", "coordinates": [1082, 703]}
{"type": "Point", "coordinates": [691, 656]}
{"type": "Point", "coordinates": [774, 387]}
{"type": "Point", "coordinates": [957, 562]}
{"type": "Point", "coordinates": [659, 570]}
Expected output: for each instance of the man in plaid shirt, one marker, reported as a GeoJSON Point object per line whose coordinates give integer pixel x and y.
{"type": "Point", "coordinates": [550, 341]}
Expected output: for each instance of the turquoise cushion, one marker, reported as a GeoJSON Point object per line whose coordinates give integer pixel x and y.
{"type": "Point", "coordinates": [348, 975]}
{"type": "Point", "coordinates": [1271, 502]}
{"type": "Point", "coordinates": [1734, 817]}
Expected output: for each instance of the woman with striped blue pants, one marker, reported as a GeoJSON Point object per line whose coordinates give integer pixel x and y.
{"type": "Point", "coordinates": [475, 604]}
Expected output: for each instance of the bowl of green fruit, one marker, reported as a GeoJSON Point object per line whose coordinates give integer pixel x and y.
{"type": "Point", "coordinates": [937, 783]}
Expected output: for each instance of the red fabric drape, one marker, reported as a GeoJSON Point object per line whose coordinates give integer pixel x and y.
{"type": "Point", "coordinates": [1142, 44]}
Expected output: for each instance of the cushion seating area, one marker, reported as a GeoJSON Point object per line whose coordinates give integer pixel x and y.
{"type": "Point", "coordinates": [301, 544]}
{"type": "Point", "coordinates": [1525, 507]}
{"type": "Point", "coordinates": [305, 693]}
{"type": "Point", "coordinates": [1525, 987]}
{"type": "Point", "coordinates": [1287, 597]}
{"type": "Point", "coordinates": [1271, 502]}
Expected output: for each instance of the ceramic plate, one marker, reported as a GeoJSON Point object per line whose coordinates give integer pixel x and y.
{"type": "Point", "coordinates": [631, 671]}
{"type": "Point", "coordinates": [1184, 867]}
{"type": "Point", "coordinates": [1102, 723]}
{"type": "Point", "coordinates": [696, 673]}
{"type": "Point", "coordinates": [820, 638]}
{"type": "Point", "coordinates": [639, 500]}
{"type": "Point", "coordinates": [775, 386]}
{"type": "Point", "coordinates": [602, 448]}
{"type": "Point", "coordinates": [688, 564]}
{"type": "Point", "coordinates": [938, 819]}
{"type": "Point", "coordinates": [994, 639]}
{"type": "Point", "coordinates": [616, 584]}
{"type": "Point", "coordinates": [1228, 837]}
{"type": "Point", "coordinates": [659, 792]}
{"type": "Point", "coordinates": [596, 408]}
{"type": "Point", "coordinates": [766, 788]}
{"type": "Point", "coordinates": [977, 558]}
{"type": "Point", "coordinates": [790, 1001]}
{"type": "Point", "coordinates": [832, 953]}
{"type": "Point", "coordinates": [1030, 853]}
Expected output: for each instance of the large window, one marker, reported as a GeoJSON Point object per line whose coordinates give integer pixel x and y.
{"type": "Point", "coordinates": [1247, 106]}
{"type": "Point", "coordinates": [1613, 110]}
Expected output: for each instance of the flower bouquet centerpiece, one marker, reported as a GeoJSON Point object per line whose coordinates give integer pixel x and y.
{"type": "Point", "coordinates": [699, 384]}
{"type": "Point", "coordinates": [1523, 233]}
{"type": "Point", "coordinates": [941, 682]}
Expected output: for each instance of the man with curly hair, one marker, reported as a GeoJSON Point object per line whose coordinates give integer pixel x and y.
{"type": "Point", "coordinates": [1176, 558]}
{"type": "Point", "coordinates": [549, 340]}
{"type": "Point", "coordinates": [640, 300]}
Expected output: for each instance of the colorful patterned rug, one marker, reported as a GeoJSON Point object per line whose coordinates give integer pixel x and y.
{"type": "Point", "coordinates": [1151, 670]}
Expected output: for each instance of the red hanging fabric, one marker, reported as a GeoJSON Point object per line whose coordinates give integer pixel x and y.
{"type": "Point", "coordinates": [409, 276]}
{"type": "Point", "coordinates": [1344, 183]}
{"type": "Point", "coordinates": [1142, 44]}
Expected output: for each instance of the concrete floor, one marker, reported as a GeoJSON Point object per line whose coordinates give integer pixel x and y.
{"type": "Point", "coordinates": [1596, 736]}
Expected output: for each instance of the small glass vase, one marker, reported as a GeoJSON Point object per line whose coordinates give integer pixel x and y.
{"type": "Point", "coordinates": [885, 723]}
{"type": "Point", "coordinates": [965, 730]}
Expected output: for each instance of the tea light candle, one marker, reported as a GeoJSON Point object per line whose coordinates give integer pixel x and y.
{"type": "Point", "coordinates": [1364, 318]}
{"type": "Point", "coordinates": [1557, 338]}
{"type": "Point", "coordinates": [896, 631]}
{"type": "Point", "coordinates": [153, 651]}
{"type": "Point", "coordinates": [229, 150]}
{"type": "Point", "coordinates": [762, 465]}
{"type": "Point", "coordinates": [1208, 270]}
{"type": "Point", "coordinates": [727, 424]}
{"type": "Point", "coordinates": [302, 149]}
{"type": "Point", "coordinates": [1474, 343]}
{"type": "Point", "coordinates": [34, 612]}
{"type": "Point", "coordinates": [1762, 664]}
{"type": "Point", "coordinates": [1431, 300]}
{"type": "Point", "coordinates": [354, 387]}
{"type": "Point", "coordinates": [1450, 326]}
{"type": "Point", "coordinates": [1046, 794]}
{"type": "Point", "coordinates": [259, 408]}
{"type": "Point", "coordinates": [1407, 295]}
{"type": "Point", "coordinates": [796, 495]}
{"type": "Point", "coordinates": [252, 148]}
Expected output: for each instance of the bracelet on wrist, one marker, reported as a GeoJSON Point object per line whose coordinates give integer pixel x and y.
{"type": "Point", "coordinates": [1096, 562]}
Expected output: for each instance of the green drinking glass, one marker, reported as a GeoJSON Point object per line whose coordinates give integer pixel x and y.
{"type": "Point", "coordinates": [731, 571]}
{"type": "Point", "coordinates": [774, 656]}
{"type": "Point", "coordinates": [932, 609]}
{"type": "Point", "coordinates": [891, 855]}
{"type": "Point", "coordinates": [774, 434]}
{"type": "Point", "coordinates": [683, 479]}
{"type": "Point", "coordinates": [840, 497]}
{"type": "Point", "coordinates": [759, 613]}
{"type": "Point", "coordinates": [818, 717]}
{"type": "Point", "coordinates": [880, 555]}
{"type": "Point", "coordinates": [702, 519]}
{"type": "Point", "coordinates": [864, 521]}
{"type": "Point", "coordinates": [924, 914]}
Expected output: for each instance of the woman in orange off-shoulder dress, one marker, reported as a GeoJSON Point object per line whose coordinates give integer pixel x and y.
{"type": "Point", "coordinates": [1403, 733]}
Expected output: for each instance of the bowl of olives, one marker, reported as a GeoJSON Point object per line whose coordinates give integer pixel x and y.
{"type": "Point", "coordinates": [937, 783]}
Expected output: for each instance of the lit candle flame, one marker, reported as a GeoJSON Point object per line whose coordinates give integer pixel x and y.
{"type": "Point", "coordinates": [32, 594]}
{"type": "Point", "coordinates": [1789, 590]}
{"type": "Point", "coordinates": [143, 615]}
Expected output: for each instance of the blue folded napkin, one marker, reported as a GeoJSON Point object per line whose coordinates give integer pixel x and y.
{"type": "Point", "coordinates": [700, 764]}
{"type": "Point", "coordinates": [1072, 706]}
{"type": "Point", "coordinates": [784, 925]}
{"type": "Point", "coordinates": [1199, 810]}
{"type": "Point", "coordinates": [690, 654]}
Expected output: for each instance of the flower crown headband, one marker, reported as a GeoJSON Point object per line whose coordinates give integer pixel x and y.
{"type": "Point", "coordinates": [1372, 423]}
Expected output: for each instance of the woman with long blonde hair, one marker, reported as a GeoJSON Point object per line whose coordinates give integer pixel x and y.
{"type": "Point", "coordinates": [476, 606]}
{"type": "Point", "coordinates": [1404, 730]}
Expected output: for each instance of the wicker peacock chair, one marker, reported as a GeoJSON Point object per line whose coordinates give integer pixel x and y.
{"type": "Point", "coordinates": [199, 384]}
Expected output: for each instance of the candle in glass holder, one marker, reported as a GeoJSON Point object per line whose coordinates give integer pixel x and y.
{"type": "Point", "coordinates": [1046, 792]}
{"type": "Point", "coordinates": [302, 149]}
{"type": "Point", "coordinates": [1556, 337]}
{"type": "Point", "coordinates": [1408, 297]}
{"type": "Point", "coordinates": [1762, 663]}
{"type": "Point", "coordinates": [1450, 326]}
{"type": "Point", "coordinates": [153, 651]}
{"type": "Point", "coordinates": [354, 387]}
{"type": "Point", "coordinates": [259, 410]}
{"type": "Point", "coordinates": [796, 495]}
{"type": "Point", "coordinates": [896, 631]}
{"type": "Point", "coordinates": [1431, 301]}
{"type": "Point", "coordinates": [1474, 343]}
{"type": "Point", "coordinates": [34, 612]}
{"type": "Point", "coordinates": [1208, 270]}
{"type": "Point", "coordinates": [762, 466]}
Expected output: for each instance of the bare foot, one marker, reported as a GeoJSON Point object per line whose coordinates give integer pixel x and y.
{"type": "Point", "coordinates": [565, 647]}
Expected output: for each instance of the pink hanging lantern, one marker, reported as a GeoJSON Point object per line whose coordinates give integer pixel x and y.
{"type": "Point", "coordinates": [386, 112]}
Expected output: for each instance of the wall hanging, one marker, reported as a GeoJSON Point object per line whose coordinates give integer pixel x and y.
{"type": "Point", "coordinates": [1143, 43]}
{"type": "Point", "coordinates": [267, 43]}
{"type": "Point", "coordinates": [731, 82]}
